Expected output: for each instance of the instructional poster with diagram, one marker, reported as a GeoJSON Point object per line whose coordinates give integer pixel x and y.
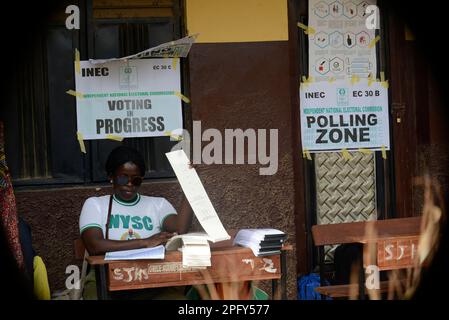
{"type": "Point", "coordinates": [340, 46]}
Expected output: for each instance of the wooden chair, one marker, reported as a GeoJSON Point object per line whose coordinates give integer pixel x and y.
{"type": "Point", "coordinates": [387, 232]}
{"type": "Point", "coordinates": [81, 254]}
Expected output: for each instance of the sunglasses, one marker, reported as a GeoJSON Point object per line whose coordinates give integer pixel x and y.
{"type": "Point", "coordinates": [123, 180]}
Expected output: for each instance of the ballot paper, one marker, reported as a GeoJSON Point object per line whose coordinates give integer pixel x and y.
{"type": "Point", "coordinates": [261, 241]}
{"type": "Point", "coordinates": [194, 247]}
{"type": "Point", "coordinates": [193, 238]}
{"type": "Point", "coordinates": [197, 196]}
{"type": "Point", "coordinates": [196, 255]}
{"type": "Point", "coordinates": [261, 234]}
{"type": "Point", "coordinates": [137, 254]}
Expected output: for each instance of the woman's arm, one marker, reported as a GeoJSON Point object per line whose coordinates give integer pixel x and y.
{"type": "Point", "coordinates": [96, 244]}
{"type": "Point", "coordinates": [179, 223]}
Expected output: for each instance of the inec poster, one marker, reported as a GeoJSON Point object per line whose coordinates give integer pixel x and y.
{"type": "Point", "coordinates": [342, 115]}
{"type": "Point", "coordinates": [340, 46]}
{"type": "Point", "coordinates": [133, 98]}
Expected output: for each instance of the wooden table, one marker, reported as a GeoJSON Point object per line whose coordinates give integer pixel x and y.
{"type": "Point", "coordinates": [229, 264]}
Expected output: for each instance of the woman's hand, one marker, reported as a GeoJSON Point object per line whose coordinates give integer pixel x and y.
{"type": "Point", "coordinates": [157, 239]}
{"type": "Point", "coordinates": [192, 165]}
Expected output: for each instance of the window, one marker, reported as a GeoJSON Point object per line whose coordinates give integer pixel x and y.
{"type": "Point", "coordinates": [40, 121]}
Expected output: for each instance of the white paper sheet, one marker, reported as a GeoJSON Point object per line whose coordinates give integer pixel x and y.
{"type": "Point", "coordinates": [188, 238]}
{"type": "Point", "coordinates": [137, 254]}
{"type": "Point", "coordinates": [197, 196]}
{"type": "Point", "coordinates": [172, 49]}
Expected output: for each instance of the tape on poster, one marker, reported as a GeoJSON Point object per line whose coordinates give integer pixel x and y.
{"type": "Point", "coordinates": [173, 136]}
{"type": "Point", "coordinates": [114, 137]}
{"type": "Point", "coordinates": [373, 42]}
{"type": "Point", "coordinates": [77, 61]}
{"type": "Point", "coordinates": [307, 30]}
{"type": "Point", "coordinates": [174, 63]}
{"type": "Point", "coordinates": [383, 82]}
{"type": "Point", "coordinates": [384, 152]}
{"type": "Point", "coordinates": [79, 137]}
{"type": "Point", "coordinates": [182, 97]}
{"type": "Point", "coordinates": [75, 93]}
{"type": "Point", "coordinates": [346, 154]}
{"type": "Point", "coordinates": [305, 82]}
{"type": "Point", "coordinates": [306, 154]}
{"type": "Point", "coordinates": [354, 79]}
{"type": "Point", "coordinates": [370, 80]}
{"type": "Point", "coordinates": [365, 151]}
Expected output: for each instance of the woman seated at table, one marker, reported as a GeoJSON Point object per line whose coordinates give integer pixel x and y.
{"type": "Point", "coordinates": [134, 221]}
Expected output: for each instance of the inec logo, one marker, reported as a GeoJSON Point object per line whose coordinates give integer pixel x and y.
{"type": "Point", "coordinates": [342, 97]}
{"type": "Point", "coordinates": [128, 78]}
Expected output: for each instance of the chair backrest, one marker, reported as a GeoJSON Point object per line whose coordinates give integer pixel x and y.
{"type": "Point", "coordinates": [396, 239]}
{"type": "Point", "coordinates": [356, 232]}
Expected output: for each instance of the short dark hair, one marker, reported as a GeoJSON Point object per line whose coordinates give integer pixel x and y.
{"type": "Point", "coordinates": [121, 155]}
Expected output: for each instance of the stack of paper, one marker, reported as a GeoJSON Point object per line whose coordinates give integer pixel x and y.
{"type": "Point", "coordinates": [194, 247]}
{"type": "Point", "coordinates": [262, 242]}
{"type": "Point", "coordinates": [196, 253]}
{"type": "Point", "coordinates": [137, 254]}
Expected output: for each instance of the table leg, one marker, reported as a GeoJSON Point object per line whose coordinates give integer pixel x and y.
{"type": "Point", "coordinates": [274, 288]}
{"type": "Point", "coordinates": [102, 288]}
{"type": "Point", "coordinates": [361, 281]}
{"type": "Point", "coordinates": [321, 263]}
{"type": "Point", "coordinates": [284, 275]}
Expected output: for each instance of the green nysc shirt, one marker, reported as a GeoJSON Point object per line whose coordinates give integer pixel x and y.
{"type": "Point", "coordinates": [138, 219]}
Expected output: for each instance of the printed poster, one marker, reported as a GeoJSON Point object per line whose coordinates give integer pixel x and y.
{"type": "Point", "coordinates": [340, 46]}
{"type": "Point", "coordinates": [342, 115]}
{"type": "Point", "coordinates": [133, 98]}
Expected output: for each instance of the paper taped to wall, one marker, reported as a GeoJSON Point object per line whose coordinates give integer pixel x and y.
{"type": "Point", "coordinates": [173, 49]}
